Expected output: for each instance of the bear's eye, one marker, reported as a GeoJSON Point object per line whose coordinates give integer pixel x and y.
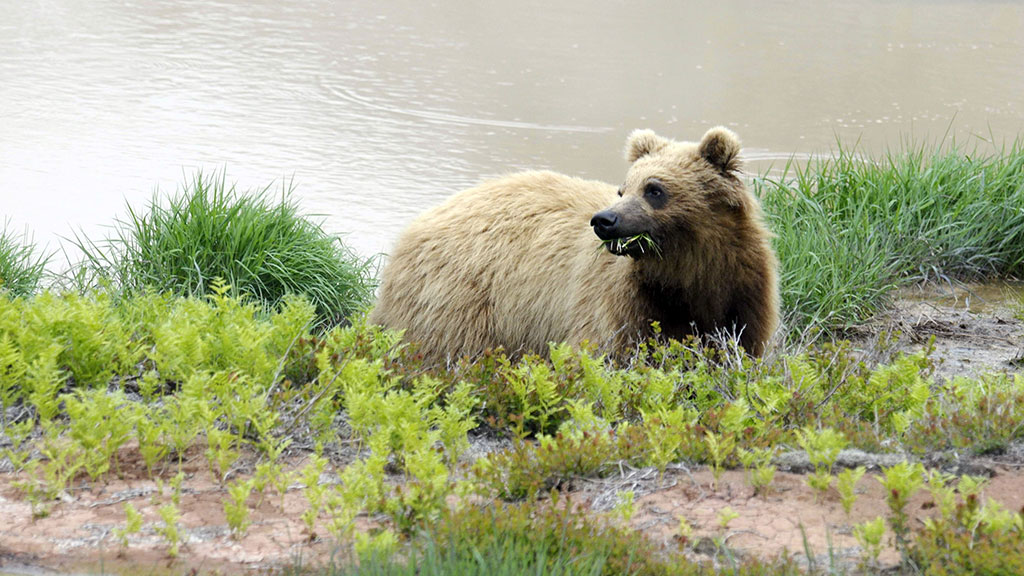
{"type": "Point", "coordinates": [620, 191]}
{"type": "Point", "coordinates": [654, 189]}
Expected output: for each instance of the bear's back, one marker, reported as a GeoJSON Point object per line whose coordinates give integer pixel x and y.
{"type": "Point", "coordinates": [495, 265]}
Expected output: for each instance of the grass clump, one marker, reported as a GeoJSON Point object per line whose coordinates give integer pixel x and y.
{"type": "Point", "coordinates": [259, 246]}
{"type": "Point", "coordinates": [850, 228]}
{"type": "Point", "coordinates": [552, 540]}
{"type": "Point", "coordinates": [20, 267]}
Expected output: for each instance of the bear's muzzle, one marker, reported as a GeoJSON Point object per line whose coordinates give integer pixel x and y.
{"type": "Point", "coordinates": [606, 225]}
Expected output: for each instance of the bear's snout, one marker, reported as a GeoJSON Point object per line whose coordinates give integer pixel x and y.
{"type": "Point", "coordinates": [605, 224]}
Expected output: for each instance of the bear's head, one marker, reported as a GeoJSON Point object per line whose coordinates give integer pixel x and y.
{"type": "Point", "coordinates": [676, 195]}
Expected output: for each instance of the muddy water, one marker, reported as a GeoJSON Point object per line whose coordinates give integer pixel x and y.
{"type": "Point", "coordinates": [970, 298]}
{"type": "Point", "coordinates": [378, 110]}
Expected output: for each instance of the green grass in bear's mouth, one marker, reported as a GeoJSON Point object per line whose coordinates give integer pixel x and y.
{"type": "Point", "coordinates": [641, 242]}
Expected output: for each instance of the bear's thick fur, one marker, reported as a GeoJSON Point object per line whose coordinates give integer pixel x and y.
{"type": "Point", "coordinates": [515, 262]}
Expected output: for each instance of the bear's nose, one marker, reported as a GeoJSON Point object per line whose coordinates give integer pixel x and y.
{"type": "Point", "coordinates": [604, 222]}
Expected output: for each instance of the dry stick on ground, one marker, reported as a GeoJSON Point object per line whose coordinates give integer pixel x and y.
{"type": "Point", "coordinates": [611, 487]}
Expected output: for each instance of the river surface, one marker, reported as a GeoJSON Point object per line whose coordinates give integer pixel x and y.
{"type": "Point", "coordinates": [378, 110]}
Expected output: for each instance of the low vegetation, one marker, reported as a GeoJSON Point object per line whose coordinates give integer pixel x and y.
{"type": "Point", "coordinates": [513, 539]}
{"type": "Point", "coordinates": [216, 330]}
{"type": "Point", "coordinates": [86, 378]}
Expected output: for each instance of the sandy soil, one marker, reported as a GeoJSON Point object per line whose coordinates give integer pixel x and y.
{"type": "Point", "coordinates": [789, 518]}
{"type": "Point", "coordinates": [78, 534]}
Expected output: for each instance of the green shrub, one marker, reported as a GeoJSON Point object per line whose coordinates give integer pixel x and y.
{"type": "Point", "coordinates": [528, 469]}
{"type": "Point", "coordinates": [20, 267]}
{"type": "Point", "coordinates": [259, 246]}
{"type": "Point", "coordinates": [49, 340]}
{"type": "Point", "coordinates": [975, 539]}
{"type": "Point", "coordinates": [981, 416]}
{"type": "Point", "coordinates": [59, 355]}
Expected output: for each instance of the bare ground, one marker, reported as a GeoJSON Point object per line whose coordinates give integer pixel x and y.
{"type": "Point", "coordinates": [974, 331]}
{"type": "Point", "coordinates": [976, 328]}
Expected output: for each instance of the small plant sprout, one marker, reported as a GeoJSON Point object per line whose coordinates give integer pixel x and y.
{"type": "Point", "coordinates": [281, 481]}
{"type": "Point", "coordinates": [454, 422]}
{"type": "Point", "coordinates": [34, 490]}
{"type": "Point", "coordinates": [625, 506]}
{"type": "Point", "coordinates": [758, 464]}
{"type": "Point", "coordinates": [535, 387]}
{"type": "Point", "coordinates": [220, 452]}
{"type": "Point", "coordinates": [822, 449]}
{"type": "Point", "coordinates": [149, 385]}
{"type": "Point", "coordinates": [236, 508]}
{"type": "Point", "coordinates": [901, 482]}
{"type": "Point", "coordinates": [47, 478]}
{"type": "Point", "coordinates": [151, 447]}
{"type": "Point", "coordinates": [684, 531]}
{"type": "Point", "coordinates": [313, 491]}
{"type": "Point", "coordinates": [20, 437]}
{"type": "Point", "coordinates": [869, 535]}
{"type": "Point", "coordinates": [132, 524]}
{"type": "Point", "coordinates": [176, 483]}
{"type": "Point", "coordinates": [725, 516]}
{"type": "Point", "coordinates": [719, 449]}
{"type": "Point", "coordinates": [846, 482]}
{"type": "Point", "coordinates": [273, 446]}
{"type": "Point", "coordinates": [995, 519]}
{"type": "Point", "coordinates": [341, 514]}
{"type": "Point", "coordinates": [17, 432]}
{"type": "Point", "coordinates": [260, 479]}
{"type": "Point", "coordinates": [99, 425]}
{"type": "Point", "coordinates": [170, 530]}
{"type": "Point", "coordinates": [270, 471]}
{"type": "Point", "coordinates": [940, 485]}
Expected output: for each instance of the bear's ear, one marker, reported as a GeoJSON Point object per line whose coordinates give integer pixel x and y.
{"type": "Point", "coordinates": [721, 148]}
{"type": "Point", "coordinates": [643, 142]}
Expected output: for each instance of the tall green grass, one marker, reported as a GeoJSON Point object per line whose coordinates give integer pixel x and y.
{"type": "Point", "coordinates": [257, 243]}
{"type": "Point", "coordinates": [851, 228]}
{"type": "Point", "coordinates": [21, 268]}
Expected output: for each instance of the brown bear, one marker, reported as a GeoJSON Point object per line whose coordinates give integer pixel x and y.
{"type": "Point", "coordinates": [514, 262]}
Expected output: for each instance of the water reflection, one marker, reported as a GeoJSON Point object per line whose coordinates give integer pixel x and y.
{"type": "Point", "coordinates": [378, 110]}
